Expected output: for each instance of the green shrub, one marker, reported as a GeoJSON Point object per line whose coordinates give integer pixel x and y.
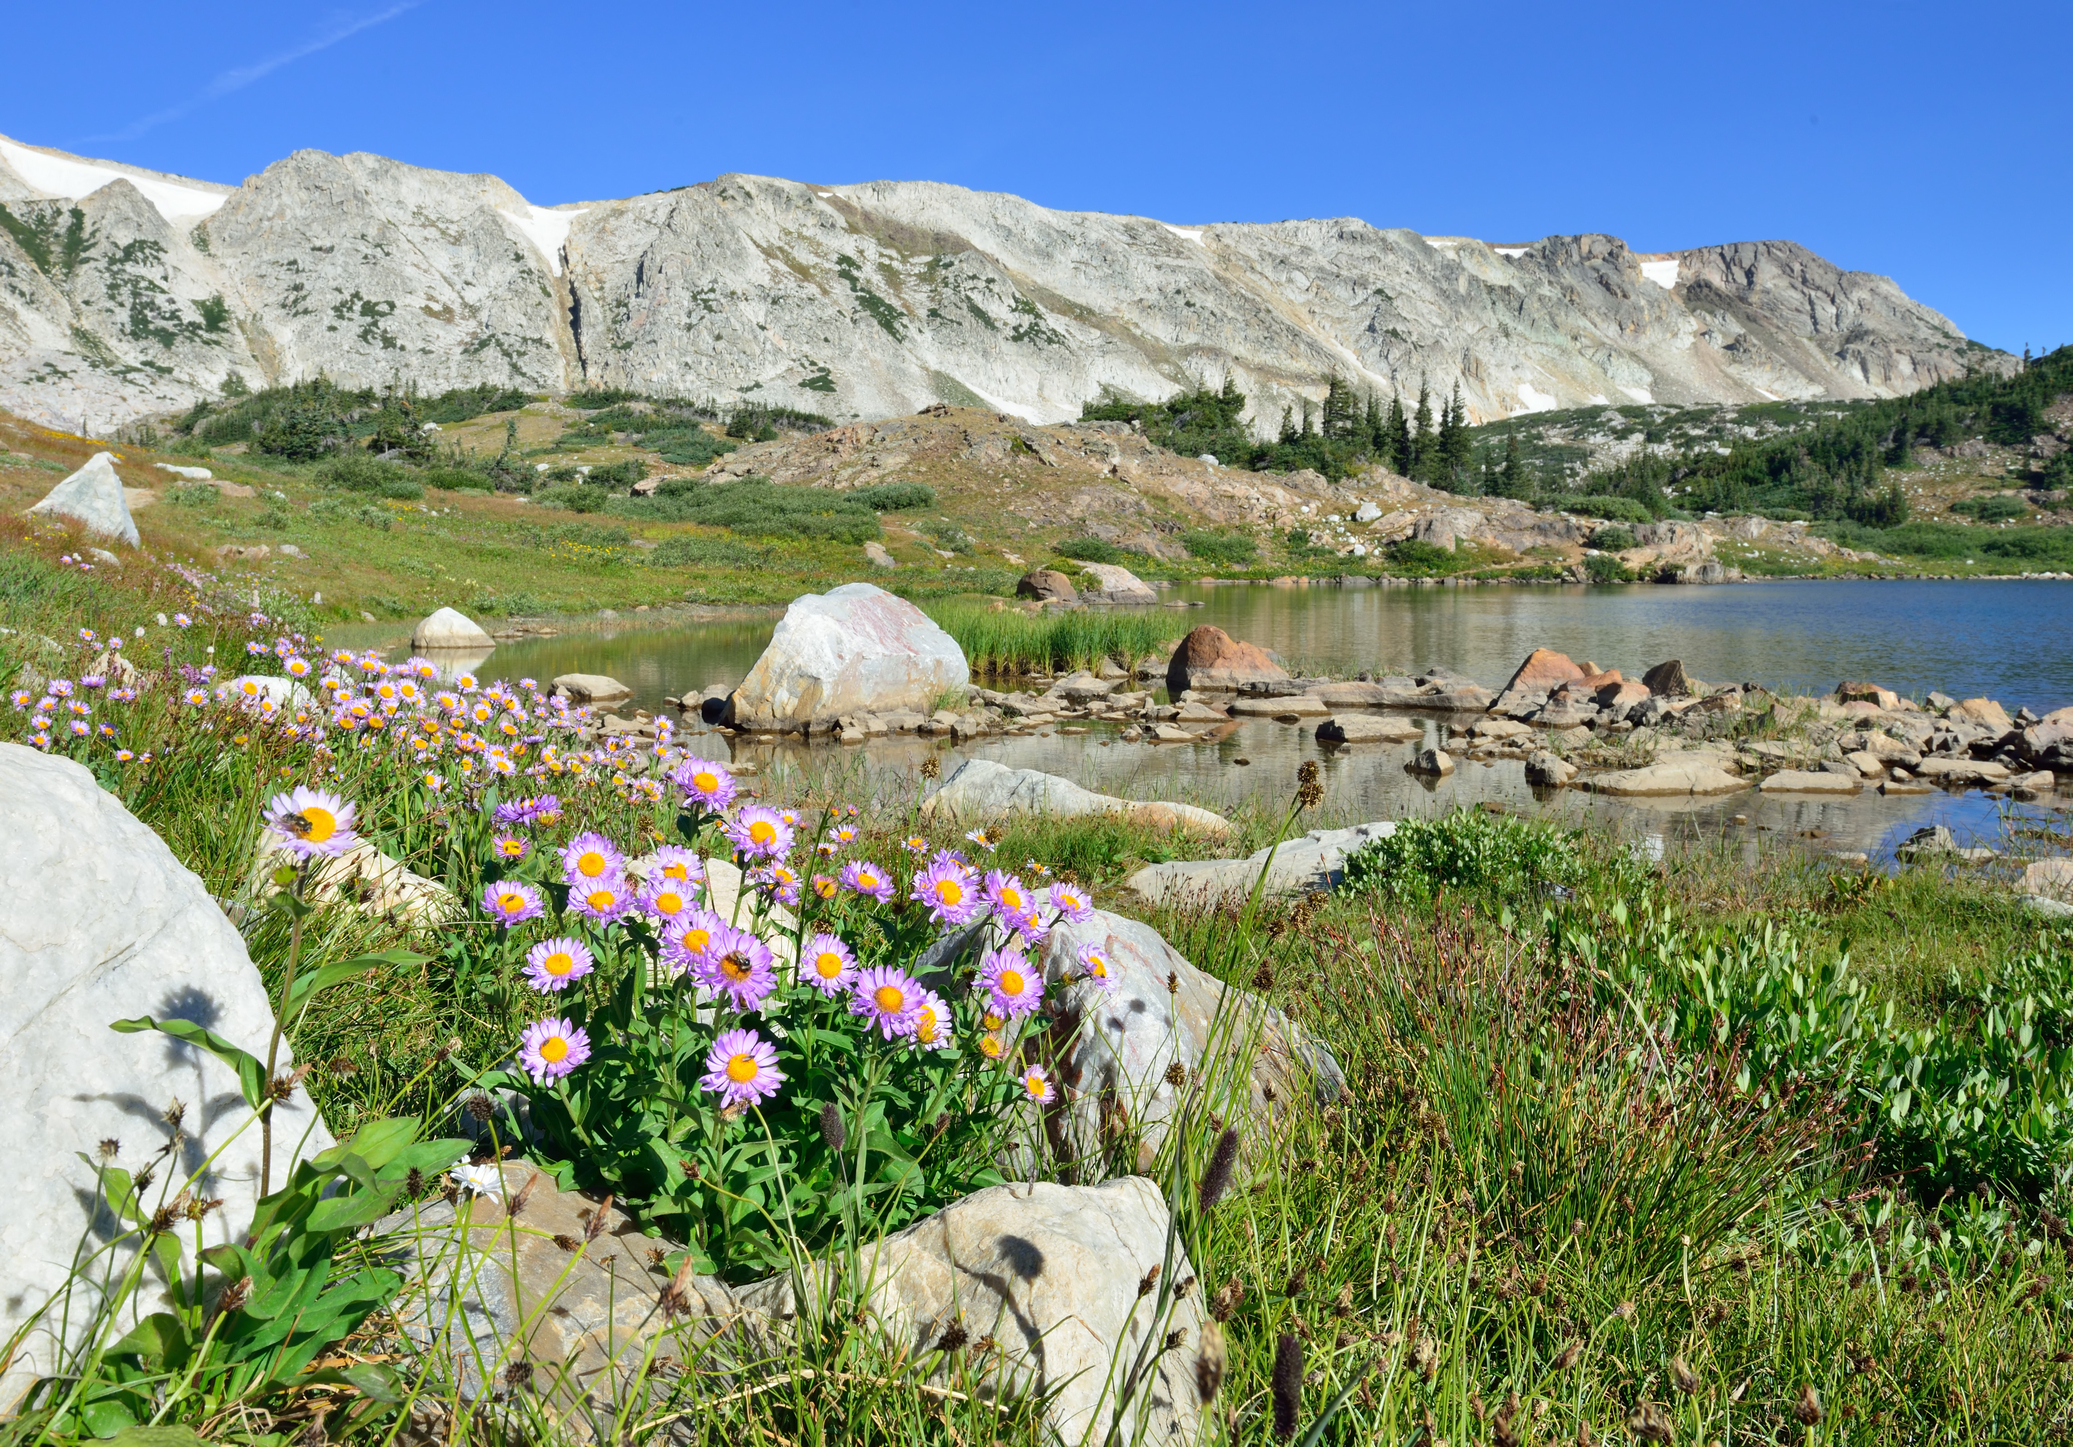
{"type": "Point", "coordinates": [1999, 508]}
{"type": "Point", "coordinates": [455, 479]}
{"type": "Point", "coordinates": [1089, 550]}
{"type": "Point", "coordinates": [757, 507]}
{"type": "Point", "coordinates": [949, 536]}
{"type": "Point", "coordinates": [1412, 556]}
{"type": "Point", "coordinates": [1227, 550]}
{"type": "Point", "coordinates": [1613, 537]}
{"type": "Point", "coordinates": [1605, 568]}
{"type": "Point", "coordinates": [575, 497]}
{"type": "Point", "coordinates": [357, 472]}
{"type": "Point", "coordinates": [618, 476]}
{"type": "Point", "coordinates": [894, 496]}
{"type": "Point", "coordinates": [1466, 852]}
{"type": "Point", "coordinates": [337, 510]}
{"type": "Point", "coordinates": [602, 397]}
{"type": "Point", "coordinates": [691, 550]}
{"type": "Point", "coordinates": [1599, 505]}
{"type": "Point", "coordinates": [193, 494]}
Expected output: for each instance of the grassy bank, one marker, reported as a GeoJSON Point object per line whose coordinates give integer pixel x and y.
{"type": "Point", "coordinates": [1009, 642]}
{"type": "Point", "coordinates": [1702, 1150]}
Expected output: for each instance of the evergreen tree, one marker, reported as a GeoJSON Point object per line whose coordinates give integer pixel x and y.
{"type": "Point", "coordinates": [1288, 427]}
{"type": "Point", "coordinates": [1399, 448]}
{"type": "Point", "coordinates": [1456, 450]}
{"type": "Point", "coordinates": [1309, 419]}
{"type": "Point", "coordinates": [1424, 449]}
{"type": "Point", "coordinates": [1341, 411]}
{"type": "Point", "coordinates": [1371, 424]}
{"type": "Point", "coordinates": [1511, 480]}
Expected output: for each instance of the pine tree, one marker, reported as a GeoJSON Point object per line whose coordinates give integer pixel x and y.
{"type": "Point", "coordinates": [1288, 427]}
{"type": "Point", "coordinates": [1399, 444]}
{"type": "Point", "coordinates": [1511, 477]}
{"type": "Point", "coordinates": [1309, 419]}
{"type": "Point", "coordinates": [1341, 411]}
{"type": "Point", "coordinates": [1457, 451]}
{"type": "Point", "coordinates": [1424, 441]}
{"type": "Point", "coordinates": [1371, 430]}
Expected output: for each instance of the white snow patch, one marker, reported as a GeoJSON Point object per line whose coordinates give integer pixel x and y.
{"type": "Point", "coordinates": [1639, 394]}
{"type": "Point", "coordinates": [548, 230]}
{"type": "Point", "coordinates": [1767, 396]}
{"type": "Point", "coordinates": [1031, 412]}
{"type": "Point", "coordinates": [1662, 273]}
{"type": "Point", "coordinates": [1534, 399]}
{"type": "Point", "coordinates": [1186, 233]}
{"type": "Point", "coordinates": [57, 176]}
{"type": "Point", "coordinates": [825, 195]}
{"type": "Point", "coordinates": [1511, 250]}
{"type": "Point", "coordinates": [1599, 399]}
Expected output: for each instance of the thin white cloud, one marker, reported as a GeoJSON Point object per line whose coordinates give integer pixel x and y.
{"type": "Point", "coordinates": [228, 81]}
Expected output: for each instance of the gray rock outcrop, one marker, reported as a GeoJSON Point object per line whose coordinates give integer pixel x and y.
{"type": "Point", "coordinates": [92, 497]}
{"type": "Point", "coordinates": [591, 687]}
{"type": "Point", "coordinates": [876, 300]}
{"type": "Point", "coordinates": [1113, 583]}
{"type": "Point", "coordinates": [104, 924]}
{"type": "Point", "coordinates": [855, 649]}
{"type": "Point", "coordinates": [1317, 861]}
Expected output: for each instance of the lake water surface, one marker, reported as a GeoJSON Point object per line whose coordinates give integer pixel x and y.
{"type": "Point", "coordinates": [2004, 640]}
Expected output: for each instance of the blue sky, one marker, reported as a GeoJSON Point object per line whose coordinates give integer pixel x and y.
{"type": "Point", "coordinates": [1927, 142]}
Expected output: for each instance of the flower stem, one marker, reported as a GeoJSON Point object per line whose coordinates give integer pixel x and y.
{"type": "Point", "coordinates": [273, 1044]}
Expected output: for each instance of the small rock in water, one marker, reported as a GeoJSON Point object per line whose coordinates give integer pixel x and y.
{"type": "Point", "coordinates": [1436, 763]}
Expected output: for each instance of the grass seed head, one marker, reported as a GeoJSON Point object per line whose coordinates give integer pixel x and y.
{"type": "Point", "coordinates": [1808, 1407]}
{"type": "Point", "coordinates": [1287, 1385]}
{"type": "Point", "coordinates": [1686, 1380]}
{"type": "Point", "coordinates": [1209, 1362]}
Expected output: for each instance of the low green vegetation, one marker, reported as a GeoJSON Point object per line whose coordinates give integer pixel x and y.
{"type": "Point", "coordinates": [1007, 641]}
{"type": "Point", "coordinates": [756, 507]}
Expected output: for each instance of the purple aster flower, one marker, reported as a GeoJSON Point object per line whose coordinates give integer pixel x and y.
{"type": "Point", "coordinates": [1072, 902]}
{"type": "Point", "coordinates": [687, 940]}
{"type": "Point", "coordinates": [551, 1048]}
{"type": "Point", "coordinates": [311, 822]}
{"type": "Point", "coordinates": [932, 1022]}
{"type": "Point", "coordinates": [778, 883]}
{"type": "Point", "coordinates": [1030, 928]}
{"type": "Point", "coordinates": [759, 832]}
{"type": "Point", "coordinates": [603, 900]}
{"type": "Point", "coordinates": [511, 903]}
{"type": "Point", "coordinates": [673, 861]}
{"type": "Point", "coordinates": [590, 857]}
{"type": "Point", "coordinates": [889, 998]}
{"type": "Point", "coordinates": [1012, 987]}
{"type": "Point", "coordinates": [742, 1069]}
{"type": "Point", "coordinates": [665, 899]}
{"type": "Point", "coordinates": [830, 967]}
{"type": "Point", "coordinates": [1037, 1082]}
{"type": "Point", "coordinates": [511, 847]}
{"type": "Point", "coordinates": [1008, 895]}
{"type": "Point", "coordinates": [705, 783]}
{"type": "Point", "coordinates": [741, 967]}
{"type": "Point", "coordinates": [861, 876]}
{"type": "Point", "coordinates": [555, 964]}
{"type": "Point", "coordinates": [949, 891]}
{"type": "Point", "coordinates": [1095, 968]}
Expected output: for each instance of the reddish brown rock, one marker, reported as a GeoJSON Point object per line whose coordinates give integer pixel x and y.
{"type": "Point", "coordinates": [1048, 584]}
{"type": "Point", "coordinates": [1210, 658]}
{"type": "Point", "coordinates": [1544, 671]}
{"type": "Point", "coordinates": [1884, 698]}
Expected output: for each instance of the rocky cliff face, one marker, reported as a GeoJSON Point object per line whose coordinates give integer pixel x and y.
{"type": "Point", "coordinates": [123, 292]}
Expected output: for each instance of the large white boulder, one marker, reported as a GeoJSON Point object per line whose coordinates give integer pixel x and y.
{"type": "Point", "coordinates": [982, 790]}
{"type": "Point", "coordinates": [1114, 583]}
{"type": "Point", "coordinates": [93, 496]}
{"type": "Point", "coordinates": [450, 628]}
{"type": "Point", "coordinates": [851, 650]}
{"type": "Point", "coordinates": [102, 924]}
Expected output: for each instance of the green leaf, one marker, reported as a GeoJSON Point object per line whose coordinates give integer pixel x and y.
{"type": "Point", "coordinates": [251, 1074]}
{"type": "Point", "coordinates": [159, 1338]}
{"type": "Point", "coordinates": [344, 1213]}
{"type": "Point", "coordinates": [377, 1143]}
{"type": "Point", "coordinates": [106, 1418]}
{"type": "Point", "coordinates": [163, 1436]}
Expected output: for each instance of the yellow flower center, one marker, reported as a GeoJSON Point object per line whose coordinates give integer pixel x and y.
{"type": "Point", "coordinates": [890, 999]}
{"type": "Point", "coordinates": [925, 1025]}
{"type": "Point", "coordinates": [1012, 898]}
{"type": "Point", "coordinates": [762, 831]}
{"type": "Point", "coordinates": [321, 824]}
{"type": "Point", "coordinates": [1011, 982]}
{"type": "Point", "coordinates": [681, 872]}
{"type": "Point", "coordinates": [602, 899]}
{"type": "Point", "coordinates": [742, 1069]}
{"type": "Point", "coordinates": [512, 848]}
{"type": "Point", "coordinates": [559, 963]}
{"type": "Point", "coordinates": [949, 891]}
{"type": "Point", "coordinates": [827, 964]}
{"type": "Point", "coordinates": [705, 781]}
{"type": "Point", "coordinates": [866, 880]}
{"type": "Point", "coordinates": [590, 864]}
{"type": "Point", "coordinates": [1034, 1084]}
{"type": "Point", "coordinates": [553, 1048]}
{"type": "Point", "coordinates": [695, 940]}
{"type": "Point", "coordinates": [735, 967]}
{"type": "Point", "coordinates": [669, 902]}
{"type": "Point", "coordinates": [992, 1021]}
{"type": "Point", "coordinates": [990, 1048]}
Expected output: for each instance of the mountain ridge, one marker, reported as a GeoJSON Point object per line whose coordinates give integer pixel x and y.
{"type": "Point", "coordinates": [879, 298]}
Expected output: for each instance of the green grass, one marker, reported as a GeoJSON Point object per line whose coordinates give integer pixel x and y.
{"type": "Point", "coordinates": [1008, 641]}
{"type": "Point", "coordinates": [1557, 1203]}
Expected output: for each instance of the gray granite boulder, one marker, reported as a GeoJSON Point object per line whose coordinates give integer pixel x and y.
{"type": "Point", "coordinates": [1317, 861]}
{"type": "Point", "coordinates": [982, 790]}
{"type": "Point", "coordinates": [855, 649]}
{"type": "Point", "coordinates": [103, 924]}
{"type": "Point", "coordinates": [1116, 584]}
{"type": "Point", "coordinates": [93, 497]}
{"type": "Point", "coordinates": [452, 629]}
